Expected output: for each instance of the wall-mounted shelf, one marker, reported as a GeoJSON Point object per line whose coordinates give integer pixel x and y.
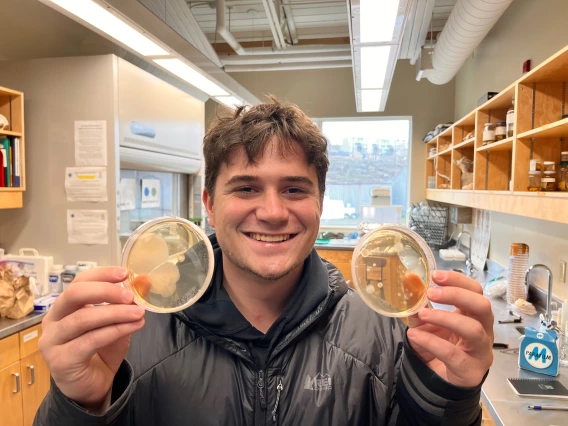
{"type": "Point", "coordinates": [558, 129]}
{"type": "Point", "coordinates": [504, 145]}
{"type": "Point", "coordinates": [12, 107]}
{"type": "Point", "coordinates": [500, 169]}
{"type": "Point", "coordinates": [466, 143]}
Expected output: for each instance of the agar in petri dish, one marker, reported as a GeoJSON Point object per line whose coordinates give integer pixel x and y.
{"type": "Point", "coordinates": [170, 264]}
{"type": "Point", "coordinates": [392, 268]}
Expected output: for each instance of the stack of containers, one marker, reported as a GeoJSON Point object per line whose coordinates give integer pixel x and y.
{"type": "Point", "coordinates": [518, 265]}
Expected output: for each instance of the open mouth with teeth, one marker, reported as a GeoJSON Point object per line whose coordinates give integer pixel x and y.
{"type": "Point", "coordinates": [270, 238]}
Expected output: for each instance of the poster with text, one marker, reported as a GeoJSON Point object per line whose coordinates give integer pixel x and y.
{"type": "Point", "coordinates": [150, 193]}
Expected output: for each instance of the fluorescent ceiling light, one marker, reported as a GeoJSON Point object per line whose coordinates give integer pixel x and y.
{"type": "Point", "coordinates": [110, 24]}
{"type": "Point", "coordinates": [371, 100]}
{"type": "Point", "coordinates": [374, 63]}
{"type": "Point", "coordinates": [378, 19]}
{"type": "Point", "coordinates": [185, 72]}
{"type": "Point", "coordinates": [230, 101]}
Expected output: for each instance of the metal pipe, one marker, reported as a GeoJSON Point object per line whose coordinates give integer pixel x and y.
{"type": "Point", "coordinates": [224, 32]}
{"type": "Point", "coordinates": [467, 26]}
{"type": "Point", "coordinates": [418, 39]}
{"type": "Point", "coordinates": [305, 48]}
{"type": "Point", "coordinates": [283, 59]}
{"type": "Point", "coordinates": [275, 37]}
{"type": "Point", "coordinates": [288, 67]}
{"type": "Point", "coordinates": [548, 318]}
{"type": "Point", "coordinates": [290, 21]}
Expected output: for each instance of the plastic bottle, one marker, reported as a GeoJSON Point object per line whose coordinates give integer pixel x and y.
{"type": "Point", "coordinates": [68, 275]}
{"type": "Point", "coordinates": [55, 279]}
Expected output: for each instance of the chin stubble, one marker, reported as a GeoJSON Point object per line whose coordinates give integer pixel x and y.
{"type": "Point", "coordinates": [246, 268]}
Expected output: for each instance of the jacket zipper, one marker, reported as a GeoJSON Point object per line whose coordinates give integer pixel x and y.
{"type": "Point", "coordinates": [279, 389]}
{"type": "Point", "coordinates": [260, 409]}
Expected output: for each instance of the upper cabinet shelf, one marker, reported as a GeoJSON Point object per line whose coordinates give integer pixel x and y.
{"type": "Point", "coordinates": [13, 182]}
{"type": "Point", "coordinates": [500, 169]}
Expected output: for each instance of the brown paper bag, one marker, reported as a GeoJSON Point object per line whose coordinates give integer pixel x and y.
{"type": "Point", "coordinates": [16, 297]}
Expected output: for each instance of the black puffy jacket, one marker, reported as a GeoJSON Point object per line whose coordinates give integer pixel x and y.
{"type": "Point", "coordinates": [336, 363]}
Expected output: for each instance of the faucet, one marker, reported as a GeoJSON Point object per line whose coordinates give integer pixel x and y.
{"type": "Point", "coordinates": [468, 262]}
{"type": "Point", "coordinates": [547, 321]}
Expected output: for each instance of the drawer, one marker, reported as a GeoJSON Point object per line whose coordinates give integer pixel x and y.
{"type": "Point", "coordinates": [28, 340]}
{"type": "Point", "coordinates": [9, 350]}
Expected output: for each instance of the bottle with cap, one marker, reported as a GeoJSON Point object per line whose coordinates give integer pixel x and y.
{"type": "Point", "coordinates": [68, 275]}
{"type": "Point", "coordinates": [55, 279]}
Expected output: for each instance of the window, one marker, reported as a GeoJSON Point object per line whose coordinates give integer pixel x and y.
{"type": "Point", "coordinates": [365, 155]}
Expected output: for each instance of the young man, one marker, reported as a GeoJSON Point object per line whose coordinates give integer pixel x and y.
{"type": "Point", "coordinates": [278, 338]}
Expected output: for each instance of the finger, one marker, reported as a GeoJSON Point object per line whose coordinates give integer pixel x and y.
{"type": "Point", "coordinates": [109, 274]}
{"type": "Point", "coordinates": [77, 295]}
{"type": "Point", "coordinates": [455, 279]}
{"type": "Point", "coordinates": [452, 356]}
{"type": "Point", "coordinates": [469, 329]}
{"type": "Point", "coordinates": [466, 301]}
{"type": "Point", "coordinates": [87, 345]}
{"type": "Point", "coordinates": [87, 319]}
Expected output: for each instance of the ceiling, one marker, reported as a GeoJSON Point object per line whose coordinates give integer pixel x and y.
{"type": "Point", "coordinates": [247, 19]}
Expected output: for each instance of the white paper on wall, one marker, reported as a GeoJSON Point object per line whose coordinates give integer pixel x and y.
{"type": "Point", "coordinates": [90, 143]}
{"type": "Point", "coordinates": [86, 184]}
{"type": "Point", "coordinates": [150, 193]}
{"type": "Point", "coordinates": [87, 226]}
{"type": "Point", "coordinates": [127, 194]}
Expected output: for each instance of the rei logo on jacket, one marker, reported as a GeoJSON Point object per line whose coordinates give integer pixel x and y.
{"type": "Point", "coordinates": [318, 383]}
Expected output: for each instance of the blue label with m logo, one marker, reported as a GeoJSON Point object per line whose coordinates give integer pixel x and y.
{"type": "Point", "coordinates": [538, 352]}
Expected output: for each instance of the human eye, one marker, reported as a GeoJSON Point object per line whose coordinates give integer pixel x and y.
{"type": "Point", "coordinates": [295, 191]}
{"type": "Point", "coordinates": [245, 190]}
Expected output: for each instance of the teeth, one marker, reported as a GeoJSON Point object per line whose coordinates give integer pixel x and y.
{"type": "Point", "coordinates": [270, 238]}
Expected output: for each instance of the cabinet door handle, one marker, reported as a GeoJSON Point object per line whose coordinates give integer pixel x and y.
{"type": "Point", "coordinates": [17, 376]}
{"type": "Point", "coordinates": [32, 372]}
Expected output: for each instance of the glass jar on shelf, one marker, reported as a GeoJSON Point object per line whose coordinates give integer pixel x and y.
{"type": "Point", "coordinates": [510, 120]}
{"type": "Point", "coordinates": [549, 166]}
{"type": "Point", "coordinates": [488, 133]}
{"type": "Point", "coordinates": [548, 181]}
{"type": "Point", "coordinates": [534, 181]}
{"type": "Point", "coordinates": [563, 178]}
{"type": "Point", "coordinates": [535, 165]}
{"type": "Point", "coordinates": [500, 131]}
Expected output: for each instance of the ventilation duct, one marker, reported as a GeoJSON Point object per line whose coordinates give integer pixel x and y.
{"type": "Point", "coordinates": [469, 23]}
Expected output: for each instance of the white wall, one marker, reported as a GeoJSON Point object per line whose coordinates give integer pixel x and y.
{"type": "Point", "coordinates": [533, 30]}
{"type": "Point", "coordinates": [56, 93]}
{"type": "Point", "coordinates": [329, 93]}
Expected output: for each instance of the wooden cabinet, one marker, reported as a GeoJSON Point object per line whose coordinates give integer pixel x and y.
{"type": "Point", "coordinates": [35, 385]}
{"type": "Point", "coordinates": [500, 169]}
{"type": "Point", "coordinates": [341, 259]}
{"type": "Point", "coordinates": [12, 108]}
{"type": "Point", "coordinates": [11, 399]}
{"type": "Point", "coordinates": [24, 377]}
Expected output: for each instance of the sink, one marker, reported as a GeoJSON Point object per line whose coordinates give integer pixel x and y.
{"type": "Point", "coordinates": [520, 329]}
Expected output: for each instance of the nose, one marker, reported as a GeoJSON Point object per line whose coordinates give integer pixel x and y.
{"type": "Point", "coordinates": [273, 208]}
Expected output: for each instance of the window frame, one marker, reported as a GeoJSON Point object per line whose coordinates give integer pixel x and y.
{"type": "Point", "coordinates": [319, 123]}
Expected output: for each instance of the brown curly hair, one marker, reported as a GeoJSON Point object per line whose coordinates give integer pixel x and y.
{"type": "Point", "coordinates": [254, 127]}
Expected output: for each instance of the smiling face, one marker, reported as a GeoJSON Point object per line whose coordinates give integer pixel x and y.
{"type": "Point", "coordinates": [266, 214]}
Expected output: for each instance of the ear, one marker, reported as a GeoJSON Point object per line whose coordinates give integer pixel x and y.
{"type": "Point", "coordinates": [208, 202]}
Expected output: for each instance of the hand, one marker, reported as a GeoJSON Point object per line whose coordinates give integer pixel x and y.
{"type": "Point", "coordinates": [456, 345]}
{"type": "Point", "coordinates": [84, 345]}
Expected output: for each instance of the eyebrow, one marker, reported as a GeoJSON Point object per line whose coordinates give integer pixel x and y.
{"type": "Point", "coordinates": [287, 179]}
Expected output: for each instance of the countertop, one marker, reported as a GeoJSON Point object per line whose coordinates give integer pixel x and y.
{"type": "Point", "coordinates": [11, 326]}
{"type": "Point", "coordinates": [505, 406]}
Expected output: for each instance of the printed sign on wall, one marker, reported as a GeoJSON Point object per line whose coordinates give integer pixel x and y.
{"type": "Point", "coordinates": [150, 193]}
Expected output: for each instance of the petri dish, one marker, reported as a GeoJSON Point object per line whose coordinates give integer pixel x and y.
{"type": "Point", "coordinates": [170, 264]}
{"type": "Point", "coordinates": [392, 269]}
